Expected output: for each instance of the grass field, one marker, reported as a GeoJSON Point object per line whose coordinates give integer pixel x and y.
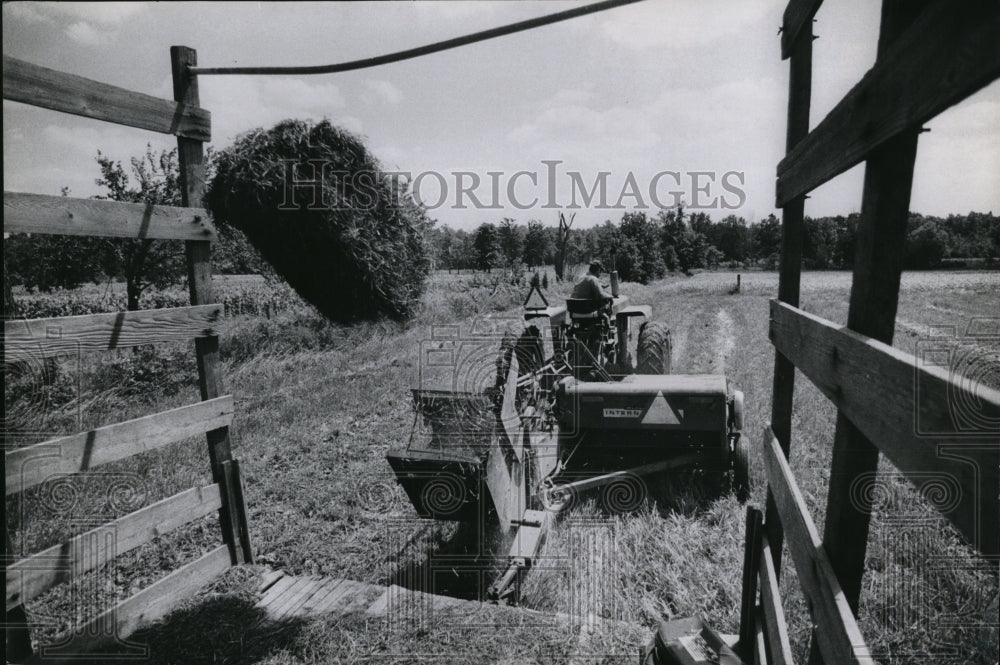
{"type": "Point", "coordinates": [318, 406]}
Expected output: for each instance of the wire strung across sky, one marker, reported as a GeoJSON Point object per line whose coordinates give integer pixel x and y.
{"type": "Point", "coordinates": [421, 50]}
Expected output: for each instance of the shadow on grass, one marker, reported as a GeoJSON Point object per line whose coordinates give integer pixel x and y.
{"type": "Point", "coordinates": [464, 562]}
{"type": "Point", "coordinates": [461, 564]}
{"type": "Point", "coordinates": [217, 629]}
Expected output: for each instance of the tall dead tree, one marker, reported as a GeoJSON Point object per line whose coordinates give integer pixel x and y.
{"type": "Point", "coordinates": [562, 244]}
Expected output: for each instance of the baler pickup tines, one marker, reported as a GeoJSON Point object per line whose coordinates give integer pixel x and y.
{"type": "Point", "coordinates": [453, 418]}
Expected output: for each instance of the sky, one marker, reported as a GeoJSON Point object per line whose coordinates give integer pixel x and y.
{"type": "Point", "coordinates": [674, 86]}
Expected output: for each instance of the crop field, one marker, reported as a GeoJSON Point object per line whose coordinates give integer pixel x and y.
{"type": "Point", "coordinates": [318, 405]}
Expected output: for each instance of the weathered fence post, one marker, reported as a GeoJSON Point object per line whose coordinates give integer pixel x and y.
{"type": "Point", "coordinates": [790, 266]}
{"type": "Point", "coordinates": [191, 159]}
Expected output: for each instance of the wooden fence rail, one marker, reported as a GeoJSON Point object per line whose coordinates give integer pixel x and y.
{"type": "Point", "coordinates": [43, 570]}
{"type": "Point", "coordinates": [152, 603]}
{"type": "Point", "coordinates": [32, 341]}
{"type": "Point", "coordinates": [76, 453]}
{"type": "Point", "coordinates": [59, 91]}
{"type": "Point", "coordinates": [64, 215]}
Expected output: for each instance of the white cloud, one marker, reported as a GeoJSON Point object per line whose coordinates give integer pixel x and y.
{"type": "Point", "coordinates": [391, 155]}
{"type": "Point", "coordinates": [976, 116]}
{"type": "Point", "coordinates": [385, 91]}
{"type": "Point", "coordinates": [86, 34]}
{"type": "Point", "coordinates": [681, 23]}
{"type": "Point", "coordinates": [578, 131]}
{"type": "Point", "coordinates": [86, 23]}
{"type": "Point", "coordinates": [86, 139]}
{"type": "Point", "coordinates": [107, 13]}
{"type": "Point", "coordinates": [28, 12]}
{"type": "Point", "coordinates": [699, 126]}
{"type": "Point", "coordinates": [13, 134]}
{"type": "Point", "coordinates": [240, 103]}
{"type": "Point", "coordinates": [457, 9]}
{"type": "Point", "coordinates": [351, 123]}
{"type": "Point", "coordinates": [569, 97]}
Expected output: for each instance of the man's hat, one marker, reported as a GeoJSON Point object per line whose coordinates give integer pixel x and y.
{"type": "Point", "coordinates": [597, 266]}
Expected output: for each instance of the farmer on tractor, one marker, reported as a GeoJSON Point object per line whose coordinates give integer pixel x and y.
{"type": "Point", "coordinates": [590, 314]}
{"type": "Point", "coordinates": [589, 288]}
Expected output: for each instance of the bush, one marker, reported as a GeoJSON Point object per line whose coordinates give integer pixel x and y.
{"type": "Point", "coordinates": [362, 256]}
{"type": "Point", "coordinates": [145, 372]}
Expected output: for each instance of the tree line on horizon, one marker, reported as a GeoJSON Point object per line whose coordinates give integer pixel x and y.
{"type": "Point", "coordinates": [643, 247]}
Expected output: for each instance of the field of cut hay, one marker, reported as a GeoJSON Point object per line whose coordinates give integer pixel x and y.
{"type": "Point", "coordinates": [318, 405]}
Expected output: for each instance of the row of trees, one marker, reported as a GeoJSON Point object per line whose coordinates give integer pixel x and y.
{"type": "Point", "coordinates": [639, 246]}
{"type": "Point", "coordinates": [643, 248]}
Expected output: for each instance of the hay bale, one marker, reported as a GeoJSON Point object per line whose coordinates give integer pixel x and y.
{"type": "Point", "coordinates": [362, 256]}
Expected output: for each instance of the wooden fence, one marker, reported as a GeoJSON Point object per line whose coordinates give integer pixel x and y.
{"type": "Point", "coordinates": [30, 340]}
{"type": "Point", "coordinates": [931, 55]}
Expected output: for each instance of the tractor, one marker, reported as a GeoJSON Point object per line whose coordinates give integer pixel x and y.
{"type": "Point", "coordinates": [566, 412]}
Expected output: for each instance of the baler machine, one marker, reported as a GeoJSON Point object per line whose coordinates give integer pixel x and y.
{"type": "Point", "coordinates": [565, 413]}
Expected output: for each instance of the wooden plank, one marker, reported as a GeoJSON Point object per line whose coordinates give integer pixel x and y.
{"type": "Point", "coordinates": [61, 563]}
{"type": "Point", "coordinates": [775, 625]}
{"type": "Point", "coordinates": [751, 559]}
{"type": "Point", "coordinates": [798, 15]}
{"type": "Point", "coordinates": [948, 54]}
{"type": "Point", "coordinates": [268, 579]}
{"type": "Point", "coordinates": [30, 340]}
{"type": "Point", "coordinates": [280, 600]}
{"type": "Point", "coordinates": [311, 606]}
{"type": "Point", "coordinates": [885, 393]}
{"type": "Point", "coordinates": [276, 591]}
{"type": "Point", "coordinates": [296, 597]}
{"type": "Point", "coordinates": [62, 215]}
{"type": "Point", "coordinates": [760, 641]}
{"type": "Point", "coordinates": [346, 596]}
{"type": "Point", "coordinates": [336, 594]}
{"type": "Point", "coordinates": [145, 607]}
{"type": "Point", "coordinates": [840, 640]}
{"type": "Point", "coordinates": [29, 466]}
{"type": "Point", "coordinates": [297, 608]}
{"type": "Point", "coordinates": [51, 89]}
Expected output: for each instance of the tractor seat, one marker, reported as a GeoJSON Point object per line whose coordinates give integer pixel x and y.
{"type": "Point", "coordinates": [586, 308]}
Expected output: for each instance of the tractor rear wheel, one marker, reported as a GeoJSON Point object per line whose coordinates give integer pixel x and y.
{"type": "Point", "coordinates": [653, 349]}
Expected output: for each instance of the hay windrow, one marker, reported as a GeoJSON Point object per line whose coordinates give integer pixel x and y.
{"type": "Point", "coordinates": [358, 253]}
